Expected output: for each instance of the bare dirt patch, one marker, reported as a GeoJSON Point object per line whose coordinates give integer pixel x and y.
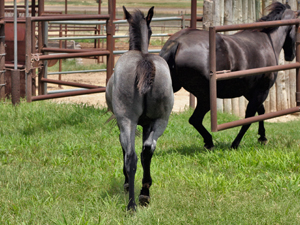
{"type": "Point", "coordinates": [181, 97]}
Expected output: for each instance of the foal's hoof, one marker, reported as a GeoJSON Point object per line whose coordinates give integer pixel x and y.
{"type": "Point", "coordinates": [131, 208]}
{"type": "Point", "coordinates": [263, 140]}
{"type": "Point", "coordinates": [209, 146]}
{"type": "Point", "coordinates": [144, 200]}
{"type": "Point", "coordinates": [234, 146]}
{"type": "Point", "coordinates": [126, 187]}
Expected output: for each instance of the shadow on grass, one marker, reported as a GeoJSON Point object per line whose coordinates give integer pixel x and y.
{"type": "Point", "coordinates": [117, 192]}
{"type": "Point", "coordinates": [190, 150]}
{"type": "Point", "coordinates": [182, 150]}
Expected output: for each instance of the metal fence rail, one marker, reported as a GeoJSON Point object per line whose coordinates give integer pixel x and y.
{"type": "Point", "coordinates": [79, 52]}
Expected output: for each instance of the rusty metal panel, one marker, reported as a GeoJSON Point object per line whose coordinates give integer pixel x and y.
{"type": "Point", "coordinates": [8, 82]}
{"type": "Point", "coordinates": [9, 41]}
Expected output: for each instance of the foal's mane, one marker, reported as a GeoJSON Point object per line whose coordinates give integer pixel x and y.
{"type": "Point", "coordinates": [276, 11]}
{"type": "Point", "coordinates": [135, 35]}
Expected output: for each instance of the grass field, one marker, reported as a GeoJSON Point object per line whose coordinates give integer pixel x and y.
{"type": "Point", "coordinates": [61, 165]}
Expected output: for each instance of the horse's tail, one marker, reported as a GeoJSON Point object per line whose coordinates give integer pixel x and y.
{"type": "Point", "coordinates": [168, 52]}
{"type": "Point", "coordinates": [145, 73]}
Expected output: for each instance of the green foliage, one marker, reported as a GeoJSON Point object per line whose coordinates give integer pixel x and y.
{"type": "Point", "coordinates": [158, 42]}
{"type": "Point", "coordinates": [59, 164]}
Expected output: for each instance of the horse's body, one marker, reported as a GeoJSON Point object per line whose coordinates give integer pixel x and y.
{"type": "Point", "coordinates": [140, 93]}
{"type": "Point", "coordinates": [187, 53]}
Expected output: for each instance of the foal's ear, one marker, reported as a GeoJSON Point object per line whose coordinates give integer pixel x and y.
{"type": "Point", "coordinates": [127, 14]}
{"type": "Point", "coordinates": [150, 15]}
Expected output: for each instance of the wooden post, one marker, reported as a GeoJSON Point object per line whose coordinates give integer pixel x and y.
{"type": "Point", "coordinates": [194, 26]}
{"type": "Point", "coordinates": [257, 9]}
{"type": "Point", "coordinates": [292, 73]}
{"type": "Point", "coordinates": [2, 52]}
{"type": "Point", "coordinates": [237, 18]}
{"type": "Point", "coordinates": [280, 86]}
{"type": "Point", "coordinates": [218, 19]}
{"type": "Point", "coordinates": [287, 86]}
{"type": "Point", "coordinates": [207, 14]}
{"type": "Point", "coordinates": [227, 21]}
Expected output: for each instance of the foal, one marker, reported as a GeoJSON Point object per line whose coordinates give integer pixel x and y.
{"type": "Point", "coordinates": [140, 93]}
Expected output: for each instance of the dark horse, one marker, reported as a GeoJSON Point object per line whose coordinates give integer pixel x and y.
{"type": "Point", "coordinates": [187, 54]}
{"type": "Point", "coordinates": [140, 93]}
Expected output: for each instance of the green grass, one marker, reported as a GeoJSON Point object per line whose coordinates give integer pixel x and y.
{"type": "Point", "coordinates": [71, 65]}
{"type": "Point", "coordinates": [59, 164]}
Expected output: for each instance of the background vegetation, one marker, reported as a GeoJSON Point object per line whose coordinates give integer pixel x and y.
{"type": "Point", "coordinates": [59, 164]}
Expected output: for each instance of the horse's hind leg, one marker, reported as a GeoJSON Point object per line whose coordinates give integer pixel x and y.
{"type": "Point", "coordinates": [261, 128]}
{"type": "Point", "coordinates": [196, 120]}
{"type": "Point", "coordinates": [127, 138]}
{"type": "Point", "coordinates": [253, 106]}
{"type": "Point", "coordinates": [151, 133]}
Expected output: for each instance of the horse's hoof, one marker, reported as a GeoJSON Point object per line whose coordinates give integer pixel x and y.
{"type": "Point", "coordinates": [263, 140]}
{"type": "Point", "coordinates": [144, 200]}
{"type": "Point", "coordinates": [126, 187]}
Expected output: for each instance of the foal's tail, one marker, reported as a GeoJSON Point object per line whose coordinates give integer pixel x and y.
{"type": "Point", "coordinates": [145, 73]}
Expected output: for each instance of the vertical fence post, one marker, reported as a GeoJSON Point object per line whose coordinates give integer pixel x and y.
{"type": "Point", "coordinates": [41, 33]}
{"type": "Point", "coordinates": [109, 40]}
{"type": "Point", "coordinates": [212, 80]}
{"type": "Point", "coordinates": [298, 70]}
{"type": "Point", "coordinates": [15, 86]}
{"type": "Point", "coordinates": [28, 70]}
{"type": "Point", "coordinates": [45, 63]}
{"type": "Point", "coordinates": [194, 14]}
{"type": "Point", "coordinates": [2, 51]}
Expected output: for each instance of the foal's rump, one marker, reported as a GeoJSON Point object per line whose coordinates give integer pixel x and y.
{"type": "Point", "coordinates": [141, 85]}
{"type": "Point", "coordinates": [160, 99]}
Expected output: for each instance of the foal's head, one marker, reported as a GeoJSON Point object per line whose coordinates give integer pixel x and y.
{"type": "Point", "coordinates": [139, 29]}
{"type": "Point", "coordinates": [279, 11]}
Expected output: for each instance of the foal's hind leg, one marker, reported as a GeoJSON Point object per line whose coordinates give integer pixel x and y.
{"type": "Point", "coordinates": [151, 133]}
{"type": "Point", "coordinates": [127, 139]}
{"type": "Point", "coordinates": [126, 184]}
{"type": "Point", "coordinates": [196, 120]}
{"type": "Point", "coordinates": [261, 128]}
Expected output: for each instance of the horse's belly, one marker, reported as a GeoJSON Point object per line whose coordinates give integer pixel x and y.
{"type": "Point", "coordinates": [231, 88]}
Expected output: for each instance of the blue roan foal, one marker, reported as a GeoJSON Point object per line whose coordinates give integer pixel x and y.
{"type": "Point", "coordinates": [140, 93]}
